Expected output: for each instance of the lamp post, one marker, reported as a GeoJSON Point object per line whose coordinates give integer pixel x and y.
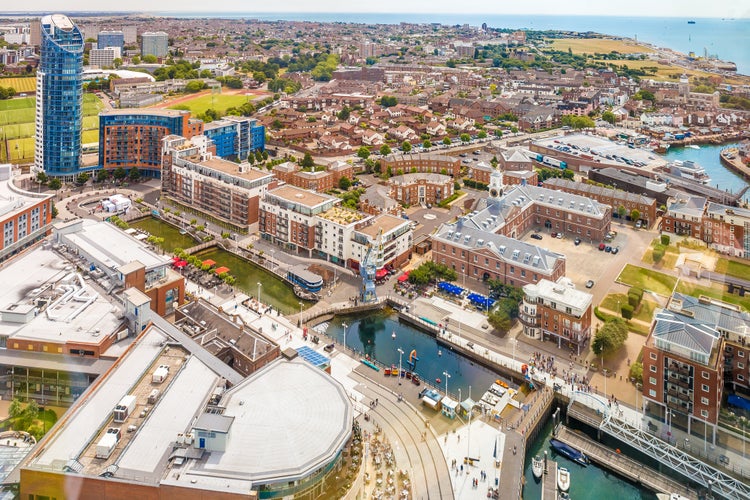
{"type": "Point", "coordinates": [400, 354]}
{"type": "Point", "coordinates": [447, 376]}
{"type": "Point", "coordinates": [743, 423]}
{"type": "Point", "coordinates": [259, 285]}
{"type": "Point", "coordinates": [273, 261]}
{"type": "Point", "coordinates": [669, 424]}
{"type": "Point", "coordinates": [345, 325]}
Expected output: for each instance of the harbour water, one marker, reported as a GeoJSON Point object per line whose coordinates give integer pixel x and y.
{"type": "Point", "coordinates": [372, 334]}
{"type": "Point", "coordinates": [708, 157]}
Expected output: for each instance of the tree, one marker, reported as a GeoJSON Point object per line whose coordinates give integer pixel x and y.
{"type": "Point", "coordinates": [55, 184]}
{"type": "Point", "coordinates": [307, 161]}
{"type": "Point", "coordinates": [32, 410]}
{"type": "Point", "coordinates": [15, 409]}
{"type": "Point", "coordinates": [102, 175]}
{"type": "Point", "coordinates": [658, 253]}
{"type": "Point", "coordinates": [82, 178]}
{"type": "Point", "coordinates": [610, 337]}
{"type": "Point", "coordinates": [385, 149]}
{"type": "Point", "coordinates": [500, 320]}
{"type": "Point", "coordinates": [465, 137]}
{"type": "Point", "coordinates": [119, 173]}
{"type": "Point", "coordinates": [136, 60]}
{"type": "Point", "coordinates": [482, 134]}
{"type": "Point", "coordinates": [447, 141]}
{"type": "Point", "coordinates": [117, 62]}
{"type": "Point", "coordinates": [134, 174]}
{"type": "Point", "coordinates": [608, 117]}
{"type": "Point", "coordinates": [636, 372]}
{"type": "Point", "coordinates": [426, 144]}
{"type": "Point", "coordinates": [635, 214]}
{"type": "Point", "coordinates": [626, 310]}
{"type": "Point", "coordinates": [363, 152]}
{"type": "Point", "coordinates": [150, 59]}
{"type": "Point", "coordinates": [344, 113]}
{"type": "Point", "coordinates": [42, 178]}
{"type": "Point", "coordinates": [665, 239]}
{"type": "Point", "coordinates": [345, 183]}
{"type": "Point", "coordinates": [388, 101]}
{"type": "Point", "coordinates": [621, 211]}
{"type": "Point", "coordinates": [406, 146]}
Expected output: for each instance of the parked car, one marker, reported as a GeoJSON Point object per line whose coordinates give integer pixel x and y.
{"type": "Point", "coordinates": [554, 235]}
{"type": "Point", "coordinates": [638, 225]}
{"type": "Point", "coordinates": [615, 250]}
{"type": "Point", "coordinates": [577, 241]}
{"type": "Point", "coordinates": [607, 248]}
{"type": "Point", "coordinates": [602, 246]}
{"type": "Point", "coordinates": [589, 283]}
{"type": "Point", "coordinates": [536, 236]}
{"type": "Point", "coordinates": [558, 236]}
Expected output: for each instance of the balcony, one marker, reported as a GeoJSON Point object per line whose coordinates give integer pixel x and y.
{"type": "Point", "coordinates": [530, 321]}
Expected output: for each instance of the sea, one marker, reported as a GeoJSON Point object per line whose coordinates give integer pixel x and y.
{"type": "Point", "coordinates": [728, 39]}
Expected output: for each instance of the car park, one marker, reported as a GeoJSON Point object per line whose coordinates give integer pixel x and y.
{"type": "Point", "coordinates": [590, 284]}
{"type": "Point", "coordinates": [536, 236]}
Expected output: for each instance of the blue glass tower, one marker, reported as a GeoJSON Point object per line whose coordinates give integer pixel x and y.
{"type": "Point", "coordinates": [59, 99]}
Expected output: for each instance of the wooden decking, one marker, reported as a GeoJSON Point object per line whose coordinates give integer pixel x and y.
{"type": "Point", "coordinates": [622, 465]}
{"type": "Point", "coordinates": [549, 480]}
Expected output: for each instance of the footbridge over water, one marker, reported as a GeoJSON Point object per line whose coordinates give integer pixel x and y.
{"type": "Point", "coordinates": [605, 419]}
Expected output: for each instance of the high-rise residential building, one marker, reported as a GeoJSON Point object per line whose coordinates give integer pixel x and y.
{"type": "Point", "coordinates": [35, 33]}
{"type": "Point", "coordinates": [130, 33]}
{"type": "Point", "coordinates": [59, 103]}
{"type": "Point", "coordinates": [110, 39]}
{"type": "Point", "coordinates": [154, 43]}
{"type": "Point", "coordinates": [104, 58]}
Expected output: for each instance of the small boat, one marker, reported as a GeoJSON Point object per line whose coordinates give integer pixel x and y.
{"type": "Point", "coordinates": [393, 335]}
{"type": "Point", "coordinates": [563, 479]}
{"type": "Point", "coordinates": [567, 451]}
{"type": "Point", "coordinates": [501, 383]}
{"type": "Point", "coordinates": [563, 494]}
{"type": "Point", "coordinates": [691, 22]}
{"type": "Point", "coordinates": [693, 146]}
{"type": "Point", "coordinates": [440, 352]}
{"type": "Point", "coordinates": [537, 466]}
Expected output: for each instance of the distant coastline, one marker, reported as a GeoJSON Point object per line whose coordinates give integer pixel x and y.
{"type": "Point", "coordinates": [728, 39]}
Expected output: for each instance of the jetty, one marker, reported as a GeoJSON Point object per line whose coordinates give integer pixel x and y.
{"type": "Point", "coordinates": [549, 479]}
{"type": "Point", "coordinates": [622, 465]}
{"type": "Point", "coordinates": [730, 157]}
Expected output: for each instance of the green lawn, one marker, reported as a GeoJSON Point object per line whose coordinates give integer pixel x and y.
{"type": "Point", "coordinates": [715, 291]}
{"type": "Point", "coordinates": [219, 102]}
{"type": "Point", "coordinates": [732, 268]}
{"type": "Point", "coordinates": [645, 313]}
{"type": "Point", "coordinates": [17, 125]}
{"type": "Point", "coordinates": [647, 279]}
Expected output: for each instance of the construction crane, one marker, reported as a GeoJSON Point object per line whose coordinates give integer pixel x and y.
{"type": "Point", "coordinates": [369, 268]}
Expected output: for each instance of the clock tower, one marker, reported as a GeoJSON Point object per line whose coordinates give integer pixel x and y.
{"type": "Point", "coordinates": [496, 185]}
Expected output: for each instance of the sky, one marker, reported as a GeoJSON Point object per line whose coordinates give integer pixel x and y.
{"type": "Point", "coordinates": [631, 8]}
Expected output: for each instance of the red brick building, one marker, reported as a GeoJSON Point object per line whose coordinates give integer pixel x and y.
{"type": "Point", "coordinates": [319, 180]}
{"type": "Point", "coordinates": [422, 163]}
{"type": "Point", "coordinates": [420, 189]}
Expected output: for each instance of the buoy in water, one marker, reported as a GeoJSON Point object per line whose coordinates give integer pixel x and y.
{"type": "Point", "coordinates": [437, 380]}
{"type": "Point", "coordinates": [440, 353]}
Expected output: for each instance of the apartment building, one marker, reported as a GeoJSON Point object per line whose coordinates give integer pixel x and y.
{"type": "Point", "coordinates": [236, 137]}
{"type": "Point", "coordinates": [615, 198]}
{"type": "Point", "coordinates": [390, 238]}
{"type": "Point", "coordinates": [480, 172]}
{"type": "Point", "coordinates": [154, 44]}
{"type": "Point", "coordinates": [683, 363]}
{"type": "Point", "coordinates": [523, 177]}
{"type": "Point", "coordinates": [224, 190]}
{"type": "Point", "coordinates": [480, 255]}
{"type": "Point", "coordinates": [103, 58]}
{"type": "Point", "coordinates": [555, 311]}
{"type": "Point", "coordinates": [110, 39]}
{"type": "Point", "coordinates": [320, 180]}
{"type": "Point", "coordinates": [421, 189]}
{"type": "Point", "coordinates": [25, 217]}
{"type": "Point", "coordinates": [133, 139]}
{"type": "Point", "coordinates": [723, 228]}
{"type": "Point", "coordinates": [422, 163]}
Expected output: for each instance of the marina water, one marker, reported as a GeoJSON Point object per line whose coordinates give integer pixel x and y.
{"type": "Point", "coordinates": [373, 334]}
{"type": "Point", "coordinates": [708, 158]}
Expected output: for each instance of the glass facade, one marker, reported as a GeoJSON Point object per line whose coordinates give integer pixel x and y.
{"type": "Point", "coordinates": [59, 108]}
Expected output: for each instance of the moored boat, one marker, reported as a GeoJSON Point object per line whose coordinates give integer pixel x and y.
{"type": "Point", "coordinates": [537, 466]}
{"type": "Point", "coordinates": [568, 451]}
{"type": "Point", "coordinates": [563, 479]}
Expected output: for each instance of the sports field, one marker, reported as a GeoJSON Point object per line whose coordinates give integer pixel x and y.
{"type": "Point", "coordinates": [220, 102]}
{"type": "Point", "coordinates": [598, 45]}
{"type": "Point", "coordinates": [17, 126]}
{"type": "Point", "coordinates": [21, 85]}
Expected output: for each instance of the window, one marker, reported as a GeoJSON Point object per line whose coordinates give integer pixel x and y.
{"type": "Point", "coordinates": [652, 393]}
{"type": "Point", "coordinates": [704, 387]}
{"type": "Point", "coordinates": [652, 380]}
{"type": "Point", "coordinates": [704, 413]}
{"type": "Point", "coordinates": [653, 355]}
{"type": "Point", "coordinates": [740, 354]}
{"type": "Point", "coordinates": [705, 375]}
{"type": "Point", "coordinates": [740, 365]}
{"type": "Point", "coordinates": [652, 368]}
{"type": "Point", "coordinates": [704, 401]}
{"type": "Point", "coordinates": [740, 378]}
